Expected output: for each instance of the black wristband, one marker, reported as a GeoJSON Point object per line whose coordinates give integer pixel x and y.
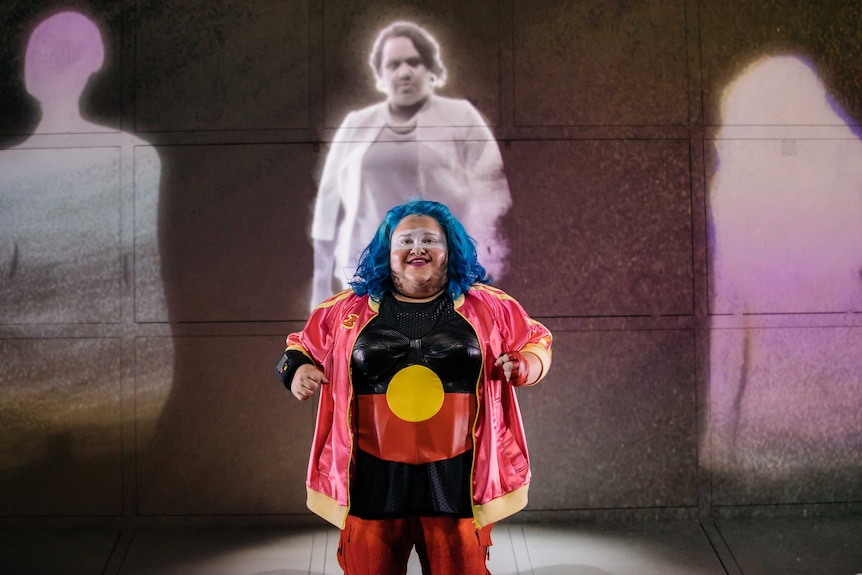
{"type": "Point", "coordinates": [290, 361]}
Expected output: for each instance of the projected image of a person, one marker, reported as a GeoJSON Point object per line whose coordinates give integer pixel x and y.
{"type": "Point", "coordinates": [58, 227]}
{"type": "Point", "coordinates": [419, 438]}
{"type": "Point", "coordinates": [61, 249]}
{"type": "Point", "coordinates": [58, 223]}
{"type": "Point", "coordinates": [786, 214]}
{"type": "Point", "coordinates": [414, 142]}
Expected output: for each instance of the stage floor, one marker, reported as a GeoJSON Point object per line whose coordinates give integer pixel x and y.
{"type": "Point", "coordinates": [822, 545]}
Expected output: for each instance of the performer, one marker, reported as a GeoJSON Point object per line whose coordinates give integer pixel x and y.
{"type": "Point", "coordinates": [419, 439]}
{"type": "Point", "coordinates": [440, 148]}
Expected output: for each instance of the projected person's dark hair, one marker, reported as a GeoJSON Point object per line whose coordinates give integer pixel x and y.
{"type": "Point", "coordinates": [414, 145]}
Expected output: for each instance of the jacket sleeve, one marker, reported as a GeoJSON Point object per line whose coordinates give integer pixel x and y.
{"type": "Point", "coordinates": [316, 338]}
{"type": "Point", "coordinates": [518, 330]}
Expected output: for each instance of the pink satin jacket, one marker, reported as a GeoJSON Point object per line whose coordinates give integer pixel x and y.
{"type": "Point", "coordinates": [501, 468]}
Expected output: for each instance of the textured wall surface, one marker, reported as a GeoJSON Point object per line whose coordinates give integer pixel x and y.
{"type": "Point", "coordinates": [687, 207]}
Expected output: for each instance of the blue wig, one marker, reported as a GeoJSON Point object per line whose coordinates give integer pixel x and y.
{"type": "Point", "coordinates": [374, 275]}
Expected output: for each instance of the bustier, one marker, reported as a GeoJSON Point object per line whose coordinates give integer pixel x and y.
{"type": "Point", "coordinates": [414, 371]}
{"type": "Point", "coordinates": [450, 350]}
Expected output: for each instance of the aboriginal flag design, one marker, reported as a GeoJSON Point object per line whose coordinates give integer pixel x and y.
{"type": "Point", "coordinates": [415, 384]}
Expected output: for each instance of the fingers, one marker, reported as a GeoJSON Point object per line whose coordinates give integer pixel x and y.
{"type": "Point", "coordinates": [515, 368]}
{"type": "Point", "coordinates": [505, 366]}
{"type": "Point", "coordinates": [303, 388]}
{"type": "Point", "coordinates": [306, 381]}
{"type": "Point", "coordinates": [302, 392]}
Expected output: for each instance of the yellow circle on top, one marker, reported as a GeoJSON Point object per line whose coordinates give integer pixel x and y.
{"type": "Point", "coordinates": [415, 394]}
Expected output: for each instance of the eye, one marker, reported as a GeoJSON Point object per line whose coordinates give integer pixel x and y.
{"type": "Point", "coordinates": [430, 241]}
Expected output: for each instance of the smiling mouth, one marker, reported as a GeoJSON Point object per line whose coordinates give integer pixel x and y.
{"type": "Point", "coordinates": [418, 262]}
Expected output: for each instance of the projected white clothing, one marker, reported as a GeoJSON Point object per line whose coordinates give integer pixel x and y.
{"type": "Point", "coordinates": [390, 173]}
{"type": "Point", "coordinates": [459, 164]}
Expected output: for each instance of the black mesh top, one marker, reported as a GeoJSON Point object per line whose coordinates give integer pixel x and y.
{"type": "Point", "coordinates": [430, 334]}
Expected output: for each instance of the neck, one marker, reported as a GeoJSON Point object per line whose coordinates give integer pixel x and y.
{"type": "Point", "coordinates": [405, 113]}
{"type": "Point", "coordinates": [415, 299]}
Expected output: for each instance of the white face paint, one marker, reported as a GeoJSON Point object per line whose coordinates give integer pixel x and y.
{"type": "Point", "coordinates": [416, 238]}
{"type": "Point", "coordinates": [418, 258]}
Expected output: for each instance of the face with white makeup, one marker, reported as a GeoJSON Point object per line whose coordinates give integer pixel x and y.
{"type": "Point", "coordinates": [418, 258]}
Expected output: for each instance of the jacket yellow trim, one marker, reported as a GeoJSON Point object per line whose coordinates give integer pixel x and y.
{"type": "Point", "coordinates": [501, 507]}
{"type": "Point", "coordinates": [332, 300]}
{"type": "Point", "coordinates": [542, 354]}
{"type": "Point", "coordinates": [496, 292]}
{"type": "Point", "coordinates": [326, 507]}
{"type": "Point", "coordinates": [301, 349]}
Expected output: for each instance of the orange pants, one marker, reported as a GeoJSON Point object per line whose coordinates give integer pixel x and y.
{"type": "Point", "coordinates": [445, 546]}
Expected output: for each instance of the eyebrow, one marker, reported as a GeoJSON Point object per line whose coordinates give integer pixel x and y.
{"type": "Point", "coordinates": [413, 61]}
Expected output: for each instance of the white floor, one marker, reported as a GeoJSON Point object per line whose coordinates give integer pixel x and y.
{"type": "Point", "coordinates": [827, 546]}
{"type": "Point", "coordinates": [664, 549]}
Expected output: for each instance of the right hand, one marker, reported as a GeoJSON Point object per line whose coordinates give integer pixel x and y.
{"type": "Point", "coordinates": [306, 380]}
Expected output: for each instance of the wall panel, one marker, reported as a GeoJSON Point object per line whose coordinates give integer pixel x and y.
{"type": "Point", "coordinates": [220, 65]}
{"type": "Point", "coordinates": [614, 425]}
{"type": "Point", "coordinates": [601, 227]}
{"type": "Point", "coordinates": [61, 441]}
{"type": "Point", "coordinates": [229, 438]}
{"type": "Point", "coordinates": [600, 64]}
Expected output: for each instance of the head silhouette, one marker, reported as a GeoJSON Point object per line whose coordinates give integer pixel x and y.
{"type": "Point", "coordinates": [63, 52]}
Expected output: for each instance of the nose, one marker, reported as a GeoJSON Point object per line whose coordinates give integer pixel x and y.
{"type": "Point", "coordinates": [405, 70]}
